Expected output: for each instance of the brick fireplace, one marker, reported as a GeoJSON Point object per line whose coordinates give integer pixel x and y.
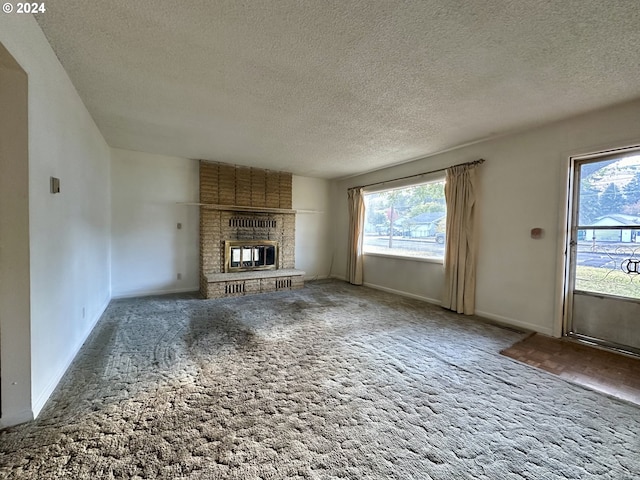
{"type": "Point", "coordinates": [247, 231]}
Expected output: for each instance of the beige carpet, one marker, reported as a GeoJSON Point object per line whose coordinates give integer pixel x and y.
{"type": "Point", "coordinates": [329, 382]}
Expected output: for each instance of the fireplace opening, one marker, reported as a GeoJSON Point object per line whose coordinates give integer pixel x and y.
{"type": "Point", "coordinates": [242, 256]}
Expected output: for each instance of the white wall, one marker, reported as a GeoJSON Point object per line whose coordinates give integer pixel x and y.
{"type": "Point", "coordinates": [314, 240]}
{"type": "Point", "coordinates": [148, 250]}
{"type": "Point", "coordinates": [69, 232]}
{"type": "Point", "coordinates": [522, 185]}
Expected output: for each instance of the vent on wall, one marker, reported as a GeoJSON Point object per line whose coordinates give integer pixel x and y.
{"type": "Point", "coordinates": [234, 288]}
{"type": "Point", "coordinates": [251, 223]}
{"type": "Point", "coordinates": [283, 283]}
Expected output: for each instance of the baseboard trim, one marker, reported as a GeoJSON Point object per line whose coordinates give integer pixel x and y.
{"type": "Point", "coordinates": [149, 293]}
{"type": "Point", "coordinates": [338, 277]}
{"type": "Point", "coordinates": [511, 322]}
{"type": "Point", "coordinates": [403, 294]}
{"type": "Point", "coordinates": [39, 402]}
{"type": "Point", "coordinates": [498, 319]}
{"type": "Point", "coordinates": [311, 278]}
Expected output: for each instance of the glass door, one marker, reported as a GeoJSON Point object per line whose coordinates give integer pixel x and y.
{"type": "Point", "coordinates": [603, 304]}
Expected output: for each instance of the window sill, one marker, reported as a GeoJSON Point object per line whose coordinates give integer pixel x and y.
{"type": "Point", "coordinates": [403, 257]}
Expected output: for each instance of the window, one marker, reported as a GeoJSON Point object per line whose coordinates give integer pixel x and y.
{"type": "Point", "coordinates": [406, 222]}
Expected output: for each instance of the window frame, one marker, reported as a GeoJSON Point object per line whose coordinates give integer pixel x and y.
{"type": "Point", "coordinates": [437, 177]}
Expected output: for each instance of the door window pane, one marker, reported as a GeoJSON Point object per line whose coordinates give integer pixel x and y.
{"type": "Point", "coordinates": [608, 237]}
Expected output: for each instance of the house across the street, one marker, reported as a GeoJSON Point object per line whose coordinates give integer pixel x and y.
{"type": "Point", "coordinates": [614, 235]}
{"type": "Point", "coordinates": [426, 224]}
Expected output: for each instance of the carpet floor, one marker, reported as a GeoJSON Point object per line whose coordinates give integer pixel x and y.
{"type": "Point", "coordinates": [328, 382]}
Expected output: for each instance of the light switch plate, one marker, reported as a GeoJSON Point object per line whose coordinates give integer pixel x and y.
{"type": "Point", "coordinates": [55, 185]}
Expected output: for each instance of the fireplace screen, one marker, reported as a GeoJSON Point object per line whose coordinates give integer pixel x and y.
{"type": "Point", "coordinates": [240, 256]}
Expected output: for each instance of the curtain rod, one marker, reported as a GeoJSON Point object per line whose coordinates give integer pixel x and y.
{"type": "Point", "coordinates": [475, 162]}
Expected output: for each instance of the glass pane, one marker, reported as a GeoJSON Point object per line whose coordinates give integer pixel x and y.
{"type": "Point", "coordinates": [610, 268]}
{"type": "Point", "coordinates": [235, 256]}
{"type": "Point", "coordinates": [607, 259]}
{"type": "Point", "coordinates": [610, 193]}
{"type": "Point", "coordinates": [270, 255]}
{"type": "Point", "coordinates": [407, 221]}
{"type": "Point", "coordinates": [258, 258]}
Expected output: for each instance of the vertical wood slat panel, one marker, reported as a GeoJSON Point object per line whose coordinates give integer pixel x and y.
{"type": "Point", "coordinates": [285, 190]}
{"type": "Point", "coordinates": [258, 187]}
{"type": "Point", "coordinates": [272, 194]}
{"type": "Point", "coordinates": [209, 182]}
{"type": "Point", "coordinates": [243, 186]}
{"type": "Point", "coordinates": [227, 184]}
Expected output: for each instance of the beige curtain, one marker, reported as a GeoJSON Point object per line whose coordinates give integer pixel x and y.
{"type": "Point", "coordinates": [356, 224]}
{"type": "Point", "coordinates": [460, 251]}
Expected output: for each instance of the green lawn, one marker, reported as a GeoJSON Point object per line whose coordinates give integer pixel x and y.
{"type": "Point", "coordinates": [611, 282]}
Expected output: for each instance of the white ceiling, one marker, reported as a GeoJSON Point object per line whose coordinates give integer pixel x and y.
{"type": "Point", "coordinates": [329, 88]}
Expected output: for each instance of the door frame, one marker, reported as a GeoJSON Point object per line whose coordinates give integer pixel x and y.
{"type": "Point", "coordinates": [15, 280]}
{"type": "Point", "coordinates": [571, 232]}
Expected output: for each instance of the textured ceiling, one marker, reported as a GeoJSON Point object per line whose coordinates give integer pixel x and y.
{"type": "Point", "coordinates": [334, 87]}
